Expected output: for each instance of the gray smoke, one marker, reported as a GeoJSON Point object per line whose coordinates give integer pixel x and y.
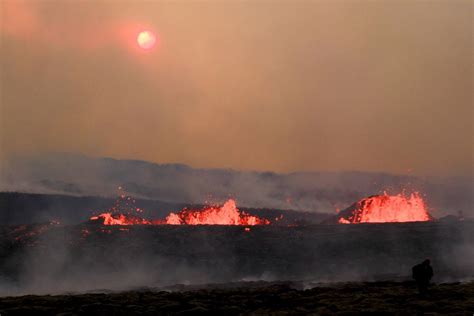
{"type": "Point", "coordinates": [309, 191]}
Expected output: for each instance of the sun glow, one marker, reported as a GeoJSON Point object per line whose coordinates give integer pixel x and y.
{"type": "Point", "coordinates": [146, 40]}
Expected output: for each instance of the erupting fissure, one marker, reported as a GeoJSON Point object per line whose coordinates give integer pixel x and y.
{"type": "Point", "coordinates": [227, 214]}
{"type": "Point", "coordinates": [386, 209]}
{"type": "Point", "coordinates": [122, 213]}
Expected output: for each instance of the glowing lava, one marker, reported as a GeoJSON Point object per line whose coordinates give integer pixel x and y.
{"type": "Point", "coordinates": [122, 213]}
{"type": "Point", "coordinates": [227, 214]}
{"type": "Point", "coordinates": [386, 208]}
{"type": "Point", "coordinates": [28, 233]}
{"type": "Point", "coordinates": [120, 219]}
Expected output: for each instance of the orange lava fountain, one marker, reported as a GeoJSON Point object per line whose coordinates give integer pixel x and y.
{"type": "Point", "coordinates": [386, 209]}
{"type": "Point", "coordinates": [227, 214]}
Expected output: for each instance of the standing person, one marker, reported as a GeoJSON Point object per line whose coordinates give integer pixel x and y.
{"type": "Point", "coordinates": [422, 273]}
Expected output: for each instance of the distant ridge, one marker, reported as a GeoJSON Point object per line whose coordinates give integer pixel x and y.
{"type": "Point", "coordinates": [28, 208]}
{"type": "Point", "coordinates": [80, 175]}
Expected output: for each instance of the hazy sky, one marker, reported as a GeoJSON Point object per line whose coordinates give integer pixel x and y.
{"type": "Point", "coordinates": [263, 85]}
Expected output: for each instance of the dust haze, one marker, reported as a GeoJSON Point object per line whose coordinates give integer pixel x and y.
{"type": "Point", "coordinates": [301, 107]}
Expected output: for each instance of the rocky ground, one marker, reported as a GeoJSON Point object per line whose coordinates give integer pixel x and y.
{"type": "Point", "coordinates": [257, 298]}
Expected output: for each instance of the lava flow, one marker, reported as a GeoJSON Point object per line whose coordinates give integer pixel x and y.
{"type": "Point", "coordinates": [29, 233]}
{"type": "Point", "coordinates": [227, 214]}
{"type": "Point", "coordinates": [386, 209]}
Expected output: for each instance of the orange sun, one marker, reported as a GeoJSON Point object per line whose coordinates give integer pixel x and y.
{"type": "Point", "coordinates": [146, 39]}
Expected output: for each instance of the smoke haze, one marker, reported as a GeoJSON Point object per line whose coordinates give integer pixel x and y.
{"type": "Point", "coordinates": [279, 85]}
{"type": "Point", "coordinates": [322, 192]}
{"type": "Point", "coordinates": [111, 258]}
{"type": "Point", "coordinates": [292, 105]}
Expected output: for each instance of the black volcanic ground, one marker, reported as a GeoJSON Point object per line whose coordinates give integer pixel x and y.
{"type": "Point", "coordinates": [268, 269]}
{"type": "Point", "coordinates": [48, 258]}
{"type": "Point", "coordinates": [278, 298]}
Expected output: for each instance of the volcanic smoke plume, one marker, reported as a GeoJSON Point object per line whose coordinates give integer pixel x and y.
{"type": "Point", "coordinates": [386, 208]}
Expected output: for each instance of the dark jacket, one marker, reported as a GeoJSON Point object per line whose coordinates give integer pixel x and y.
{"type": "Point", "coordinates": [422, 272]}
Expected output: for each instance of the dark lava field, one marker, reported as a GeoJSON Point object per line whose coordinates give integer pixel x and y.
{"type": "Point", "coordinates": [257, 298]}
{"type": "Point", "coordinates": [53, 259]}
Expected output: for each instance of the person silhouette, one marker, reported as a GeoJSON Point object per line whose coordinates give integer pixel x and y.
{"type": "Point", "coordinates": [422, 273]}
